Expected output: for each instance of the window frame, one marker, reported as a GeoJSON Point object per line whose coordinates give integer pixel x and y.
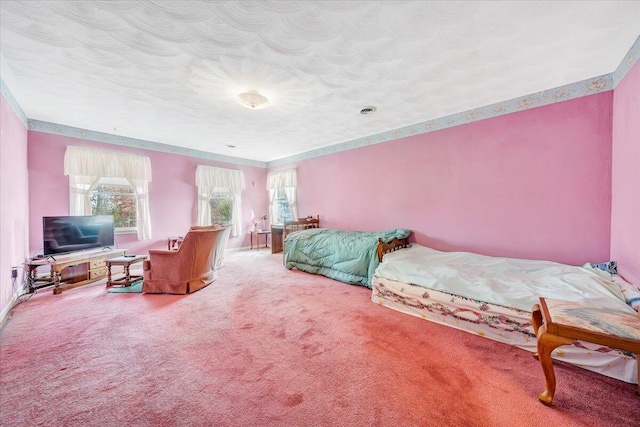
{"type": "Point", "coordinates": [229, 197]}
{"type": "Point", "coordinates": [120, 182]}
{"type": "Point", "coordinates": [278, 202]}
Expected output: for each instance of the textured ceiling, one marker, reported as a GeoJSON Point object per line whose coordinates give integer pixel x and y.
{"type": "Point", "coordinates": [168, 71]}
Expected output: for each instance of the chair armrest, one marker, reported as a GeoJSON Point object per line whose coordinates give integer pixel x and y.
{"type": "Point", "coordinates": [166, 264]}
{"type": "Point", "coordinates": [162, 252]}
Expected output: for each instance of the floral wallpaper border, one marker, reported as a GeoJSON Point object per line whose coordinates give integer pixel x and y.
{"type": "Point", "coordinates": [575, 90]}
{"type": "Point", "coordinates": [55, 129]}
{"type": "Point", "coordinates": [563, 93]}
{"type": "Point", "coordinates": [627, 63]}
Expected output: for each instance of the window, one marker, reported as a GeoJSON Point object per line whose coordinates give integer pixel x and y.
{"type": "Point", "coordinates": [116, 197]}
{"type": "Point", "coordinates": [220, 196]}
{"type": "Point", "coordinates": [221, 205]}
{"type": "Point", "coordinates": [110, 182]}
{"type": "Point", "coordinates": [283, 203]}
{"type": "Point", "coordinates": [281, 207]}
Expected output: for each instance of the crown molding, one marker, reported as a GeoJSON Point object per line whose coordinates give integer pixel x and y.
{"type": "Point", "coordinates": [627, 63]}
{"type": "Point", "coordinates": [579, 89]}
{"type": "Point", "coordinates": [8, 96]}
{"type": "Point", "coordinates": [551, 96]}
{"type": "Point", "coordinates": [575, 90]}
{"type": "Point", "coordinates": [73, 132]}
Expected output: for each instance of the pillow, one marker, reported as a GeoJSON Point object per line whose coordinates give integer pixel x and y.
{"type": "Point", "coordinates": [630, 291]}
{"type": "Point", "coordinates": [609, 267]}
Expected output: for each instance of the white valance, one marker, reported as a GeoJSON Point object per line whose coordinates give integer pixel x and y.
{"type": "Point", "coordinates": [81, 161]}
{"type": "Point", "coordinates": [209, 176]}
{"type": "Point", "coordinates": [282, 179]}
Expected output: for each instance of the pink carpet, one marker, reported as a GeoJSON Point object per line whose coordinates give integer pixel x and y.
{"type": "Point", "coordinates": [264, 346]}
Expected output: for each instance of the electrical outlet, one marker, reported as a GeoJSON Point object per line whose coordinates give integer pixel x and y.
{"type": "Point", "coordinates": [14, 273]}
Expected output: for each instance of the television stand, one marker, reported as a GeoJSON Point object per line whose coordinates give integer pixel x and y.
{"type": "Point", "coordinates": [69, 271]}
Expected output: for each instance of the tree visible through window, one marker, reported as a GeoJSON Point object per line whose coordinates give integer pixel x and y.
{"type": "Point", "coordinates": [282, 206]}
{"type": "Point", "coordinates": [221, 204]}
{"type": "Point", "coordinates": [118, 200]}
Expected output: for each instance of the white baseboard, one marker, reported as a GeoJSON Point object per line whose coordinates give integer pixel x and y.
{"type": "Point", "coordinates": [7, 308]}
{"type": "Point", "coordinates": [246, 248]}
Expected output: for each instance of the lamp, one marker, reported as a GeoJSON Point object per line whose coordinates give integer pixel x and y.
{"type": "Point", "coordinates": [252, 100]}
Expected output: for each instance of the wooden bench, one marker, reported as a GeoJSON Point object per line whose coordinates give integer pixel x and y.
{"type": "Point", "coordinates": [557, 323]}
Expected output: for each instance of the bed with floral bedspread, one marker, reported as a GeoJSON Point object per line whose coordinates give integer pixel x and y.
{"type": "Point", "coordinates": [493, 297]}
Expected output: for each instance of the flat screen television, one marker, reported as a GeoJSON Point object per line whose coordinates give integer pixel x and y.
{"type": "Point", "coordinates": [64, 234]}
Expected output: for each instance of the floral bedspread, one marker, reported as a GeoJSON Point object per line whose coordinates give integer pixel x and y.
{"type": "Point", "coordinates": [507, 325]}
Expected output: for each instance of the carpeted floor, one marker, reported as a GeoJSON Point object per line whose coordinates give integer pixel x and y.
{"type": "Point", "coordinates": [264, 346]}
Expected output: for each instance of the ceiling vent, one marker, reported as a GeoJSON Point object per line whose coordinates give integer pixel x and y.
{"type": "Point", "coordinates": [368, 110]}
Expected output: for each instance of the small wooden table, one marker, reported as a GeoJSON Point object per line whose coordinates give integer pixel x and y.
{"type": "Point", "coordinates": [557, 323]}
{"type": "Point", "coordinates": [259, 233]}
{"type": "Point", "coordinates": [174, 242]}
{"type": "Point", "coordinates": [276, 238]}
{"type": "Point", "coordinates": [124, 261]}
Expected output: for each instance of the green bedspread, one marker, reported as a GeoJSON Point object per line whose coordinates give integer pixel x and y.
{"type": "Point", "coordinates": [347, 256]}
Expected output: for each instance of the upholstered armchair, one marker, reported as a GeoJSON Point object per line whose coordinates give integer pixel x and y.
{"type": "Point", "coordinates": [221, 246]}
{"type": "Point", "coordinates": [185, 270]}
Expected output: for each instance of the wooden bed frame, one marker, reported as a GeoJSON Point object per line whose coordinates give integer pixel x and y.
{"type": "Point", "coordinates": [300, 224]}
{"type": "Point", "coordinates": [297, 225]}
{"type": "Point", "coordinates": [393, 245]}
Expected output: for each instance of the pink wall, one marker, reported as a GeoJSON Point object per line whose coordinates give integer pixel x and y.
{"type": "Point", "coordinates": [533, 184]}
{"type": "Point", "coordinates": [14, 206]}
{"type": "Point", "coordinates": [172, 193]}
{"type": "Point", "coordinates": [625, 206]}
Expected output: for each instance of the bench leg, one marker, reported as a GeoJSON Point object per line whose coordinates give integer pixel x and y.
{"type": "Point", "coordinates": [536, 321]}
{"type": "Point", "coordinates": [546, 344]}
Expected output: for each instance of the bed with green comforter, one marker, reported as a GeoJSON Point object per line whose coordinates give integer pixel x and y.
{"type": "Point", "coordinates": [347, 256]}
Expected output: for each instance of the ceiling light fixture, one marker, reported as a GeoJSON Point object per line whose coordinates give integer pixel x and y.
{"type": "Point", "coordinates": [252, 100]}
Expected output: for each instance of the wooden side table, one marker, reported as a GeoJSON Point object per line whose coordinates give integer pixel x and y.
{"type": "Point", "coordinates": [259, 233]}
{"type": "Point", "coordinates": [174, 242]}
{"type": "Point", "coordinates": [126, 262]}
{"type": "Point", "coordinates": [557, 323]}
{"type": "Point", "coordinates": [276, 238]}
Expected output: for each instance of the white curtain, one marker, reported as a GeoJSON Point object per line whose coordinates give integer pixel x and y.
{"type": "Point", "coordinates": [141, 187]}
{"type": "Point", "coordinates": [288, 181]}
{"type": "Point", "coordinates": [290, 192]}
{"type": "Point", "coordinates": [208, 178]}
{"type": "Point", "coordinates": [79, 190]}
{"type": "Point", "coordinates": [273, 211]}
{"type": "Point", "coordinates": [282, 179]}
{"type": "Point", "coordinates": [86, 166]}
{"type": "Point", "coordinates": [204, 208]}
